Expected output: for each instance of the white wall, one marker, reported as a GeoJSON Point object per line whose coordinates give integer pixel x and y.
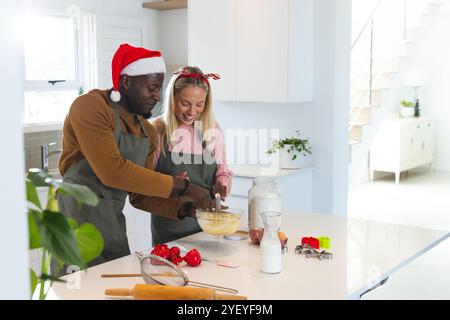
{"type": "Point", "coordinates": [433, 59]}
{"type": "Point", "coordinates": [324, 120]}
{"type": "Point", "coordinates": [14, 234]}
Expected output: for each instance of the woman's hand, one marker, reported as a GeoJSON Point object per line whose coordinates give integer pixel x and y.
{"type": "Point", "coordinates": [222, 188]}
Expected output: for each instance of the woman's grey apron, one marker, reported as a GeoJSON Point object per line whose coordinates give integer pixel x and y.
{"type": "Point", "coordinates": [201, 173]}
{"type": "Point", "coordinates": [107, 216]}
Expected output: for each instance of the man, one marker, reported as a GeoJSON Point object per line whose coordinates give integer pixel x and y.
{"type": "Point", "coordinates": [108, 146]}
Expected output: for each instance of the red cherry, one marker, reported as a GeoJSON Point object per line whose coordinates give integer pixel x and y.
{"type": "Point", "coordinates": [193, 258]}
{"type": "Point", "coordinates": [175, 251]}
{"type": "Point", "coordinates": [176, 260]}
{"type": "Point", "coordinates": [161, 250]}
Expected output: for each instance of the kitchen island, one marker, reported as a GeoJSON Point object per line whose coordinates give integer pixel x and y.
{"type": "Point", "coordinates": [365, 253]}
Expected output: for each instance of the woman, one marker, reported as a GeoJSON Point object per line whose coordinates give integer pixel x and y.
{"type": "Point", "coordinates": [191, 144]}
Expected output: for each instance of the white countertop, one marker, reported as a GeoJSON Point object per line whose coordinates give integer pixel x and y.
{"type": "Point", "coordinates": [254, 171]}
{"type": "Point", "coordinates": [365, 252]}
{"type": "Point", "coordinates": [42, 127]}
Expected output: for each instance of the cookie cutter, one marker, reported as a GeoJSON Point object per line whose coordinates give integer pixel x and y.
{"type": "Point", "coordinates": [310, 252]}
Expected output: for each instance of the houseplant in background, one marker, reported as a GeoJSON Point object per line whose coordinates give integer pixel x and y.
{"type": "Point", "coordinates": [293, 151]}
{"type": "Point", "coordinates": [56, 236]}
{"type": "Point", "coordinates": [407, 109]}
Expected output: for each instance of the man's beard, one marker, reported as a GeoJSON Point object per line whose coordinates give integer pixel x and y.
{"type": "Point", "coordinates": [132, 105]}
{"type": "Point", "coordinates": [146, 115]}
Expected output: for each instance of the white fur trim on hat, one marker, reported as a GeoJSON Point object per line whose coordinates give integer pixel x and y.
{"type": "Point", "coordinates": [115, 96]}
{"type": "Point", "coordinates": [145, 66]}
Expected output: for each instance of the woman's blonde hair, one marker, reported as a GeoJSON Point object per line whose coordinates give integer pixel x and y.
{"type": "Point", "coordinates": [174, 87]}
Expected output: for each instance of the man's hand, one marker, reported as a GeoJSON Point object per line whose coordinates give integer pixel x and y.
{"type": "Point", "coordinates": [201, 197]}
{"type": "Point", "coordinates": [186, 210]}
{"type": "Point", "coordinates": [182, 175]}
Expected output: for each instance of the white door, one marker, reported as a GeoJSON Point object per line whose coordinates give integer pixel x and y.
{"type": "Point", "coordinates": [407, 145]}
{"type": "Point", "coordinates": [428, 139]}
{"type": "Point", "coordinates": [418, 145]}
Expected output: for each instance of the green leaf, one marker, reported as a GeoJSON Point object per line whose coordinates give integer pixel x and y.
{"type": "Point", "coordinates": [32, 195]}
{"type": "Point", "coordinates": [33, 281]}
{"type": "Point", "coordinates": [82, 194]}
{"type": "Point", "coordinates": [39, 178]}
{"type": "Point", "coordinates": [52, 202]}
{"type": "Point", "coordinates": [90, 241]}
{"type": "Point", "coordinates": [47, 277]}
{"type": "Point", "coordinates": [34, 230]}
{"type": "Point", "coordinates": [73, 223]}
{"type": "Point", "coordinates": [60, 239]}
{"type": "Point", "coordinates": [407, 104]}
{"type": "Point", "coordinates": [296, 144]}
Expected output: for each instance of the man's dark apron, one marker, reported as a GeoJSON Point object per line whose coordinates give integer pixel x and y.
{"type": "Point", "coordinates": [107, 216]}
{"type": "Point", "coordinates": [201, 173]}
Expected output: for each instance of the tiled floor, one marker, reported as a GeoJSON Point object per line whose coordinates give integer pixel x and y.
{"type": "Point", "coordinates": [421, 199]}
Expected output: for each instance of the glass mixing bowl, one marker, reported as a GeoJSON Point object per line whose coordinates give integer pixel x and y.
{"type": "Point", "coordinates": [220, 223]}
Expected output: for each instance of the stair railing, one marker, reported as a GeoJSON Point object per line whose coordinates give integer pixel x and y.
{"type": "Point", "coordinates": [373, 50]}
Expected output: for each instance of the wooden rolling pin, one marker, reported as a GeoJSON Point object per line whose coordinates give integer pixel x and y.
{"type": "Point", "coordinates": [161, 292]}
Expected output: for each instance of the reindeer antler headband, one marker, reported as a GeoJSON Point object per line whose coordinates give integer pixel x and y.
{"type": "Point", "coordinates": [184, 73]}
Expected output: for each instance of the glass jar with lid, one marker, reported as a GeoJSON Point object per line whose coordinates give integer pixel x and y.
{"type": "Point", "coordinates": [263, 196]}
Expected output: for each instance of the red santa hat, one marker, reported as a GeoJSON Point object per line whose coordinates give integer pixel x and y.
{"type": "Point", "coordinates": [134, 61]}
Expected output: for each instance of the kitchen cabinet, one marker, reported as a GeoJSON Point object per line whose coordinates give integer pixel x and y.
{"type": "Point", "coordinates": [402, 144]}
{"type": "Point", "coordinates": [264, 49]}
{"type": "Point", "coordinates": [212, 43]}
{"type": "Point", "coordinates": [138, 227]}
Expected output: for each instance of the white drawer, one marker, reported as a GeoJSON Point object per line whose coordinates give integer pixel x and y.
{"type": "Point", "coordinates": [410, 129]}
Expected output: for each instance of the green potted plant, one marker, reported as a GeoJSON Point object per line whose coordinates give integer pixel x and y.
{"type": "Point", "coordinates": [58, 238]}
{"type": "Point", "coordinates": [407, 109]}
{"type": "Point", "coordinates": [292, 151]}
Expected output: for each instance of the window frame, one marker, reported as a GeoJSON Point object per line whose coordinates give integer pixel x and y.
{"type": "Point", "coordinates": [76, 84]}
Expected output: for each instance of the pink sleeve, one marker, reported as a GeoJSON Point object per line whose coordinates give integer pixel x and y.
{"type": "Point", "coordinates": [223, 173]}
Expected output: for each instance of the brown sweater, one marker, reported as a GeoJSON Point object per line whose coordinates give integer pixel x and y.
{"type": "Point", "coordinates": [89, 133]}
{"type": "Point", "coordinates": [158, 205]}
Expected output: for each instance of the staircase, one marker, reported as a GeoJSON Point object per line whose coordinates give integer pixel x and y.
{"type": "Point", "coordinates": [381, 53]}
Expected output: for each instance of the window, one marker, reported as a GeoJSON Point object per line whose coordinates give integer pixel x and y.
{"type": "Point", "coordinates": [52, 64]}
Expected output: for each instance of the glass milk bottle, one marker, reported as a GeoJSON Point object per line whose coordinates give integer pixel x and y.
{"type": "Point", "coordinates": [270, 247]}
{"type": "Point", "coordinates": [263, 196]}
